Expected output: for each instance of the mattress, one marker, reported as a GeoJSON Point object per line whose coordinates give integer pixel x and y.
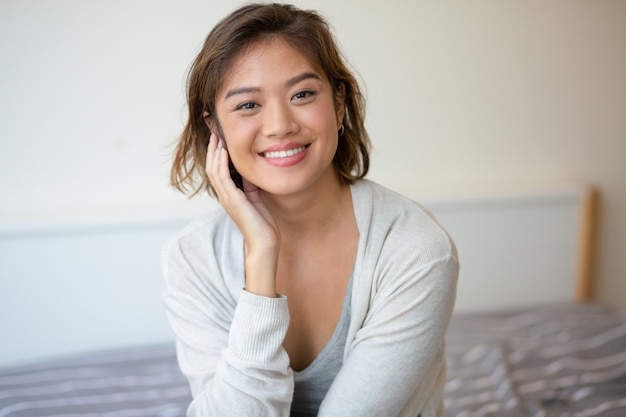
{"type": "Point", "coordinates": [561, 360]}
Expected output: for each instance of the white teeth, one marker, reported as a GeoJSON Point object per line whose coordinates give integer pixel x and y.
{"type": "Point", "coordinates": [283, 154]}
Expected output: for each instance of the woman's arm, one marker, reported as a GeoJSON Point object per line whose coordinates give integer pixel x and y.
{"type": "Point", "coordinates": [229, 348]}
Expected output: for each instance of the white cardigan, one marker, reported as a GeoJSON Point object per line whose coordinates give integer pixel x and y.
{"type": "Point", "coordinates": [229, 341]}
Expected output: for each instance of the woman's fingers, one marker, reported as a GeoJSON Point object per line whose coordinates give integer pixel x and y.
{"type": "Point", "coordinates": [223, 170]}
{"type": "Point", "coordinates": [217, 168]}
{"type": "Point", "coordinates": [245, 207]}
{"type": "Point", "coordinates": [210, 158]}
{"type": "Point", "coordinates": [230, 197]}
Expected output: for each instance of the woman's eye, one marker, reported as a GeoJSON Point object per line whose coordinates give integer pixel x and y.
{"type": "Point", "coordinates": [249, 105]}
{"type": "Point", "coordinates": [303, 94]}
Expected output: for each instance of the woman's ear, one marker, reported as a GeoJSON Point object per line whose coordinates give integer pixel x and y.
{"type": "Point", "coordinates": [208, 120]}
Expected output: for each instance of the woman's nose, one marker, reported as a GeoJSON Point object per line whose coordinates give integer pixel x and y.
{"type": "Point", "coordinates": [278, 121]}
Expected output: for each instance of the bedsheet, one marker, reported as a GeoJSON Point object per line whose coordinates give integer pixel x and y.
{"type": "Point", "coordinates": [561, 360]}
{"type": "Point", "coordinates": [129, 382]}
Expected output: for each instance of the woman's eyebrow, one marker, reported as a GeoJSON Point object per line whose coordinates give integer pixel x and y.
{"type": "Point", "coordinates": [241, 90]}
{"type": "Point", "coordinates": [290, 83]}
{"type": "Point", "coordinates": [304, 76]}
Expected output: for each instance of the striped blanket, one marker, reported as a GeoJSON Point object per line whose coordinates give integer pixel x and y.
{"type": "Point", "coordinates": [564, 360]}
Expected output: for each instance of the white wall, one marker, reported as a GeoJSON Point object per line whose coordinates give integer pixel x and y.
{"type": "Point", "coordinates": [461, 95]}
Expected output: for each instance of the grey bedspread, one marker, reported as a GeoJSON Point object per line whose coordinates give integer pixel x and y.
{"type": "Point", "coordinates": [564, 360]}
{"type": "Point", "coordinates": [137, 382]}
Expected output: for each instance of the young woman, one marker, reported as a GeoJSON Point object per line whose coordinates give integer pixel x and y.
{"type": "Point", "coordinates": [311, 291]}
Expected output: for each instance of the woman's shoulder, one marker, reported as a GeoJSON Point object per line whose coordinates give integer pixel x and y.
{"type": "Point", "coordinates": [403, 222]}
{"type": "Point", "coordinates": [194, 258]}
{"type": "Point", "coordinates": [203, 235]}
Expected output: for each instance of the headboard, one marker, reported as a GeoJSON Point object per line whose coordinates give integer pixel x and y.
{"type": "Point", "coordinates": [520, 246]}
{"type": "Point", "coordinates": [78, 285]}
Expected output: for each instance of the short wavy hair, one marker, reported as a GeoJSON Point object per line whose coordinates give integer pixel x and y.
{"type": "Point", "coordinates": [308, 33]}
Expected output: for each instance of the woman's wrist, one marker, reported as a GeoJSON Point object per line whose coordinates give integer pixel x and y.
{"type": "Point", "coordinates": [260, 267]}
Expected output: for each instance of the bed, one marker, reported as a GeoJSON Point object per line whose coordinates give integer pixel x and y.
{"type": "Point", "coordinates": [526, 339]}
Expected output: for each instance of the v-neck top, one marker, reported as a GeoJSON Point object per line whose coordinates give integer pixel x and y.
{"type": "Point", "coordinates": [312, 383]}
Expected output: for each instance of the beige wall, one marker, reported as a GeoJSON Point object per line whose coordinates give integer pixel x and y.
{"type": "Point", "coordinates": [461, 94]}
{"type": "Point", "coordinates": [479, 93]}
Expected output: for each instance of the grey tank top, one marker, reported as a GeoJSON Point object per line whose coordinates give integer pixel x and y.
{"type": "Point", "coordinates": [313, 382]}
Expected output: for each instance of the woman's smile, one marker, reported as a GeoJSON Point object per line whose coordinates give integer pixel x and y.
{"type": "Point", "coordinates": [285, 155]}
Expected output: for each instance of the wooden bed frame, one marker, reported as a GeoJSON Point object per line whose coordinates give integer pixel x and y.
{"type": "Point", "coordinates": [80, 285]}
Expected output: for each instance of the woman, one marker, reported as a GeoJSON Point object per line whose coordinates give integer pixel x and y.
{"type": "Point", "coordinates": [310, 291]}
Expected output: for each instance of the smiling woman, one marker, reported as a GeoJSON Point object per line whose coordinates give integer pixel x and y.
{"type": "Point", "coordinates": [310, 291]}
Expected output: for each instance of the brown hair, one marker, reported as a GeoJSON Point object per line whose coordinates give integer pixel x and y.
{"type": "Point", "coordinates": [308, 33]}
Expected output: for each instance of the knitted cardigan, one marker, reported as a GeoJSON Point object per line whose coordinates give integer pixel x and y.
{"type": "Point", "coordinates": [229, 341]}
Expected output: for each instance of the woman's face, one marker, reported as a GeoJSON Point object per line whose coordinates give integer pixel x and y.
{"type": "Point", "coordinates": [279, 117]}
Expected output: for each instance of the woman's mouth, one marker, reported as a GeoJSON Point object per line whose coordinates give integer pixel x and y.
{"type": "Point", "coordinates": [283, 154]}
{"type": "Point", "coordinates": [285, 157]}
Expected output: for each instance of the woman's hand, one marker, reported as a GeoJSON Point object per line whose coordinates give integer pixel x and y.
{"type": "Point", "coordinates": [250, 214]}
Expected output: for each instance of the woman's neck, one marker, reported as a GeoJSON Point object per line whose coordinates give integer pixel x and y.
{"type": "Point", "coordinates": [312, 211]}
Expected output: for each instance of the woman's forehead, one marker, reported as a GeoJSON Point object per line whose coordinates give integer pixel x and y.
{"type": "Point", "coordinates": [267, 57]}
